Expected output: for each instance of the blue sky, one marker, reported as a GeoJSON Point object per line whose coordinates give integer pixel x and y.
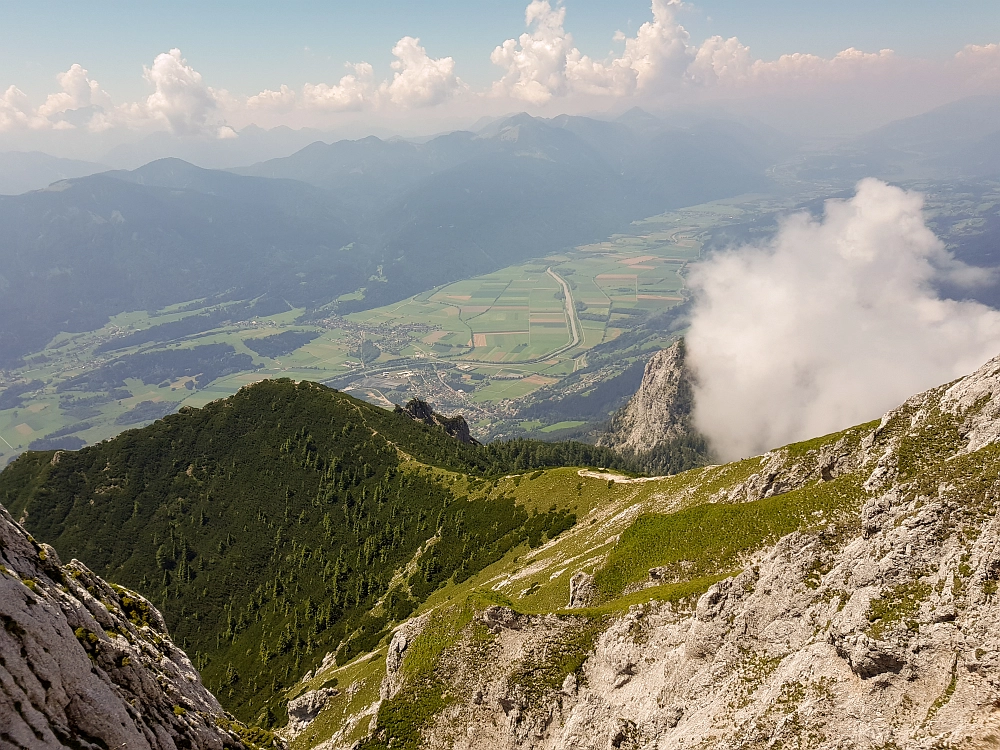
{"type": "Point", "coordinates": [112, 70]}
{"type": "Point", "coordinates": [247, 46]}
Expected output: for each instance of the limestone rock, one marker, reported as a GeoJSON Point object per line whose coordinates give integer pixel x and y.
{"type": "Point", "coordinates": [85, 664]}
{"type": "Point", "coordinates": [456, 426]}
{"type": "Point", "coordinates": [660, 410]}
{"type": "Point", "coordinates": [581, 590]}
{"type": "Point", "coordinates": [303, 709]}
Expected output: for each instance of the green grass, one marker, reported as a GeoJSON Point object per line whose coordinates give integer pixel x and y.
{"type": "Point", "coordinates": [712, 538]}
{"type": "Point", "coordinates": [562, 426]}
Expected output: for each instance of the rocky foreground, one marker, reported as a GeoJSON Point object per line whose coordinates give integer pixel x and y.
{"type": "Point", "coordinates": [85, 664]}
{"type": "Point", "coordinates": [874, 625]}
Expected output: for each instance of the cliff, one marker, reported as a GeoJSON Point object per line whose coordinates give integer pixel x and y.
{"type": "Point", "coordinates": [456, 426]}
{"type": "Point", "coordinates": [86, 664]}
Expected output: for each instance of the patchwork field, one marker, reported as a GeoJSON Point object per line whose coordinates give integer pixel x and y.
{"type": "Point", "coordinates": [475, 345]}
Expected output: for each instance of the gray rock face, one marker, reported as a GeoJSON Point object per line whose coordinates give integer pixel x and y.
{"type": "Point", "coordinates": [660, 410]}
{"type": "Point", "coordinates": [581, 590]}
{"type": "Point", "coordinates": [305, 708]}
{"type": "Point", "coordinates": [875, 628]}
{"type": "Point", "coordinates": [456, 426]}
{"type": "Point", "coordinates": [84, 664]}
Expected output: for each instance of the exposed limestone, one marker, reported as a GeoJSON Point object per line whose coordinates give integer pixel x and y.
{"type": "Point", "coordinates": [660, 410]}
{"type": "Point", "coordinates": [455, 426]}
{"type": "Point", "coordinates": [581, 590]}
{"type": "Point", "coordinates": [85, 664]}
{"type": "Point", "coordinates": [303, 709]}
{"type": "Point", "coordinates": [877, 629]}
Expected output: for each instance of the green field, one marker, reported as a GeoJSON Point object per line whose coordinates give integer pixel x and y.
{"type": "Point", "coordinates": [469, 345]}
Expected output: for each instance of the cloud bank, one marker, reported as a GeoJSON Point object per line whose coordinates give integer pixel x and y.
{"type": "Point", "coordinates": [830, 324]}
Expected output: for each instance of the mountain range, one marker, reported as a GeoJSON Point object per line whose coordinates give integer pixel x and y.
{"type": "Point", "coordinates": [384, 219]}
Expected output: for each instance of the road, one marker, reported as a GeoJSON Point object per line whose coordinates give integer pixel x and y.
{"type": "Point", "coordinates": [574, 323]}
{"type": "Point", "coordinates": [432, 359]}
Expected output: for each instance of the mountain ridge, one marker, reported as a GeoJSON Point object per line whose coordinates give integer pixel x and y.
{"type": "Point", "coordinates": [832, 594]}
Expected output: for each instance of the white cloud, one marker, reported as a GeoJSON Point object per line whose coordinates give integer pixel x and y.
{"type": "Point", "coordinates": [979, 64]}
{"type": "Point", "coordinates": [354, 91]}
{"type": "Point", "coordinates": [78, 91]}
{"type": "Point", "coordinates": [661, 51]}
{"type": "Point", "coordinates": [543, 63]}
{"type": "Point", "coordinates": [536, 62]}
{"type": "Point", "coordinates": [661, 58]}
{"type": "Point", "coordinates": [419, 80]}
{"type": "Point", "coordinates": [829, 324]}
{"type": "Point", "coordinates": [16, 111]}
{"type": "Point", "coordinates": [282, 100]}
{"type": "Point", "coordinates": [181, 99]}
{"type": "Point", "coordinates": [721, 60]}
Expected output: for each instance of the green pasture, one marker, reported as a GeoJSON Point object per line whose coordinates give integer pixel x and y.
{"type": "Point", "coordinates": [511, 321]}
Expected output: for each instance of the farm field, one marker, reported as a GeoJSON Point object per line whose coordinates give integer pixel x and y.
{"type": "Point", "coordinates": [475, 346]}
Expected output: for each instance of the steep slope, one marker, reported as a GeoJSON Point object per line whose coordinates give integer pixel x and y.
{"type": "Point", "coordinates": [661, 408]}
{"type": "Point", "coordinates": [655, 425]}
{"type": "Point", "coordinates": [85, 664]}
{"type": "Point", "coordinates": [284, 523]}
{"type": "Point", "coordinates": [839, 593]}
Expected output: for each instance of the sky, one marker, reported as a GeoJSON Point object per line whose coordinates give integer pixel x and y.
{"type": "Point", "coordinates": [108, 71]}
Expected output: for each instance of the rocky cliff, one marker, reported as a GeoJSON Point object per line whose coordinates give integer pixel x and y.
{"type": "Point", "coordinates": [86, 664]}
{"type": "Point", "coordinates": [839, 593]}
{"type": "Point", "coordinates": [660, 410]}
{"type": "Point", "coordinates": [654, 429]}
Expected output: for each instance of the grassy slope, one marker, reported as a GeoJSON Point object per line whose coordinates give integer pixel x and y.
{"type": "Point", "coordinates": [270, 527]}
{"type": "Point", "coordinates": [625, 527]}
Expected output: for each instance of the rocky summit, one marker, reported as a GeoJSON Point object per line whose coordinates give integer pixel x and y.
{"type": "Point", "coordinates": [655, 429]}
{"type": "Point", "coordinates": [86, 664]}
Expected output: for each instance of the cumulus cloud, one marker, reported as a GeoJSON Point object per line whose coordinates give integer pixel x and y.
{"type": "Point", "coordinates": [660, 52]}
{"type": "Point", "coordinates": [980, 63]}
{"type": "Point", "coordinates": [181, 99]}
{"type": "Point", "coordinates": [282, 100]}
{"type": "Point", "coordinates": [78, 92]}
{"type": "Point", "coordinates": [728, 61]}
{"type": "Point", "coordinates": [352, 93]}
{"type": "Point", "coordinates": [535, 63]}
{"type": "Point", "coordinates": [419, 80]}
{"type": "Point", "coordinates": [831, 323]}
{"type": "Point", "coordinates": [543, 62]}
{"type": "Point", "coordinates": [16, 111]}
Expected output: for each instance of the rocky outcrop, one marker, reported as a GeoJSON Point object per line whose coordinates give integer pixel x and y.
{"type": "Point", "coordinates": [660, 411]}
{"type": "Point", "coordinates": [876, 625]}
{"type": "Point", "coordinates": [85, 664]}
{"type": "Point", "coordinates": [455, 426]}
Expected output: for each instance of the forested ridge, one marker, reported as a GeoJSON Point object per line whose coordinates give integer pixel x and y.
{"type": "Point", "coordinates": [283, 523]}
